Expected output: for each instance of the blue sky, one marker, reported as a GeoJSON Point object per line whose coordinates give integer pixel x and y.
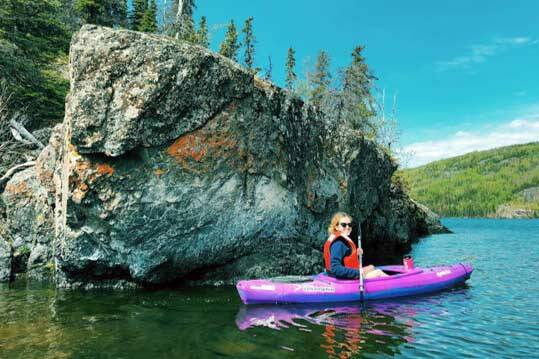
{"type": "Point", "coordinates": [465, 73]}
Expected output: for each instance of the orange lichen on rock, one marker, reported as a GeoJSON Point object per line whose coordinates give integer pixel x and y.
{"type": "Point", "coordinates": [16, 188]}
{"type": "Point", "coordinates": [103, 168]}
{"type": "Point", "coordinates": [187, 147]}
{"type": "Point", "coordinates": [196, 147]}
{"type": "Point", "coordinates": [79, 179]}
{"type": "Point", "coordinates": [84, 173]}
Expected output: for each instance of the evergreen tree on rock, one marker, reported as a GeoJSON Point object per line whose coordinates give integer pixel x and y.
{"type": "Point", "coordinates": [149, 20]}
{"type": "Point", "coordinates": [102, 12]}
{"type": "Point", "coordinates": [320, 79]}
{"type": "Point", "coordinates": [90, 10]}
{"type": "Point", "coordinates": [137, 14]}
{"type": "Point", "coordinates": [202, 33]}
{"type": "Point", "coordinates": [357, 98]}
{"type": "Point", "coordinates": [230, 45]}
{"type": "Point", "coordinates": [290, 72]}
{"type": "Point", "coordinates": [118, 13]}
{"type": "Point", "coordinates": [249, 42]}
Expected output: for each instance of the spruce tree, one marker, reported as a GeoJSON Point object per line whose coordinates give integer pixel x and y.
{"type": "Point", "coordinates": [68, 15]}
{"type": "Point", "coordinates": [290, 72]}
{"type": "Point", "coordinates": [230, 45]}
{"type": "Point", "coordinates": [118, 13]}
{"type": "Point", "coordinates": [249, 42]}
{"type": "Point", "coordinates": [320, 79]}
{"type": "Point", "coordinates": [102, 12]}
{"type": "Point", "coordinates": [90, 11]}
{"type": "Point", "coordinates": [202, 33]}
{"type": "Point", "coordinates": [137, 14]}
{"type": "Point", "coordinates": [149, 20]}
{"type": "Point", "coordinates": [358, 101]}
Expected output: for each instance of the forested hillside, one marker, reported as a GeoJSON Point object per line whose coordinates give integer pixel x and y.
{"type": "Point", "coordinates": [502, 182]}
{"type": "Point", "coordinates": [34, 45]}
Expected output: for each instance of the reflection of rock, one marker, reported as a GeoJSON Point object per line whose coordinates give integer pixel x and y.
{"type": "Point", "coordinates": [174, 163]}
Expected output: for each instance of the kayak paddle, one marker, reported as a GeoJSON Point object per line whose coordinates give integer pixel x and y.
{"type": "Point", "coordinates": [360, 255]}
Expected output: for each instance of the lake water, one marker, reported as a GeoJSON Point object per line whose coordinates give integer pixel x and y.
{"type": "Point", "coordinates": [496, 314]}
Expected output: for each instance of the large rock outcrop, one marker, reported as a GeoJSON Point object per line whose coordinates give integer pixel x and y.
{"type": "Point", "coordinates": [175, 164]}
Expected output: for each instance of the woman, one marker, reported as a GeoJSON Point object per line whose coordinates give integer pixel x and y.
{"type": "Point", "coordinates": [341, 253]}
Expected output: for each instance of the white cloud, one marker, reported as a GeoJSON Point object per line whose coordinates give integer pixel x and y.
{"type": "Point", "coordinates": [521, 130]}
{"type": "Point", "coordinates": [524, 124]}
{"type": "Point", "coordinates": [481, 52]}
{"type": "Point", "coordinates": [514, 40]}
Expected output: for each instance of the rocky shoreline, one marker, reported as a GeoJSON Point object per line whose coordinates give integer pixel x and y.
{"type": "Point", "coordinates": [174, 165]}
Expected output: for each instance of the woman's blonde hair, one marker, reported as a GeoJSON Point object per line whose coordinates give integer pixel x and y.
{"type": "Point", "coordinates": [336, 219]}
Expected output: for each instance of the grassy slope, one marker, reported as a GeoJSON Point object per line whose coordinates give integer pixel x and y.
{"type": "Point", "coordinates": [476, 184]}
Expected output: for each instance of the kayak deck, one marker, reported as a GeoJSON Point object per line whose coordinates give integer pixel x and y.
{"type": "Point", "coordinates": [324, 288]}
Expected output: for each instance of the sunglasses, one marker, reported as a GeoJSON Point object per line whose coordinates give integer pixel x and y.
{"type": "Point", "coordinates": [344, 225]}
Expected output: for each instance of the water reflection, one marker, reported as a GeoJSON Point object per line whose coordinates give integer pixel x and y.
{"type": "Point", "coordinates": [41, 322]}
{"type": "Point", "coordinates": [348, 329]}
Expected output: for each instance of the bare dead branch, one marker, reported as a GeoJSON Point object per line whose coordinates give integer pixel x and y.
{"type": "Point", "coordinates": [17, 168]}
{"type": "Point", "coordinates": [19, 138]}
{"type": "Point", "coordinates": [15, 148]}
{"type": "Point", "coordinates": [24, 133]}
{"type": "Point", "coordinates": [6, 177]}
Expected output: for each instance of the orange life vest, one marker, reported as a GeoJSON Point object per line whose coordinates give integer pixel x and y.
{"type": "Point", "coordinates": [350, 261]}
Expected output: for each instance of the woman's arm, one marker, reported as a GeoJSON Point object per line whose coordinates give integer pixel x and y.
{"type": "Point", "coordinates": [338, 251]}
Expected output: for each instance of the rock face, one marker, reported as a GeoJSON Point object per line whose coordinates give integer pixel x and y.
{"type": "Point", "coordinates": [5, 254]}
{"type": "Point", "coordinates": [175, 164]}
{"type": "Point", "coordinates": [30, 224]}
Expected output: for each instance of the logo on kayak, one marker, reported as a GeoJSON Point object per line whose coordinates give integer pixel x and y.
{"type": "Point", "coordinates": [313, 288]}
{"type": "Point", "coordinates": [443, 273]}
{"type": "Point", "coordinates": [263, 287]}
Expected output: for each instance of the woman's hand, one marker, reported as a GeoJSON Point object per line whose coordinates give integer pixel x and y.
{"type": "Point", "coordinates": [360, 251]}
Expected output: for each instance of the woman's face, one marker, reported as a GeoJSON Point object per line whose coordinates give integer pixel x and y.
{"type": "Point", "coordinates": [345, 226]}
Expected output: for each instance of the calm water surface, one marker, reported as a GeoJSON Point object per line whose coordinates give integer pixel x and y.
{"type": "Point", "coordinates": [496, 314]}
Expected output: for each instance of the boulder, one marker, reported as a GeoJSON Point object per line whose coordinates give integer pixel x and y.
{"type": "Point", "coordinates": [176, 165]}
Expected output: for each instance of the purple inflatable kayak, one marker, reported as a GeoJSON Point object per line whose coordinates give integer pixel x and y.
{"type": "Point", "coordinates": [323, 288]}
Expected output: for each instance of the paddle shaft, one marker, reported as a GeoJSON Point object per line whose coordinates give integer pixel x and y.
{"type": "Point", "coordinates": [360, 257]}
